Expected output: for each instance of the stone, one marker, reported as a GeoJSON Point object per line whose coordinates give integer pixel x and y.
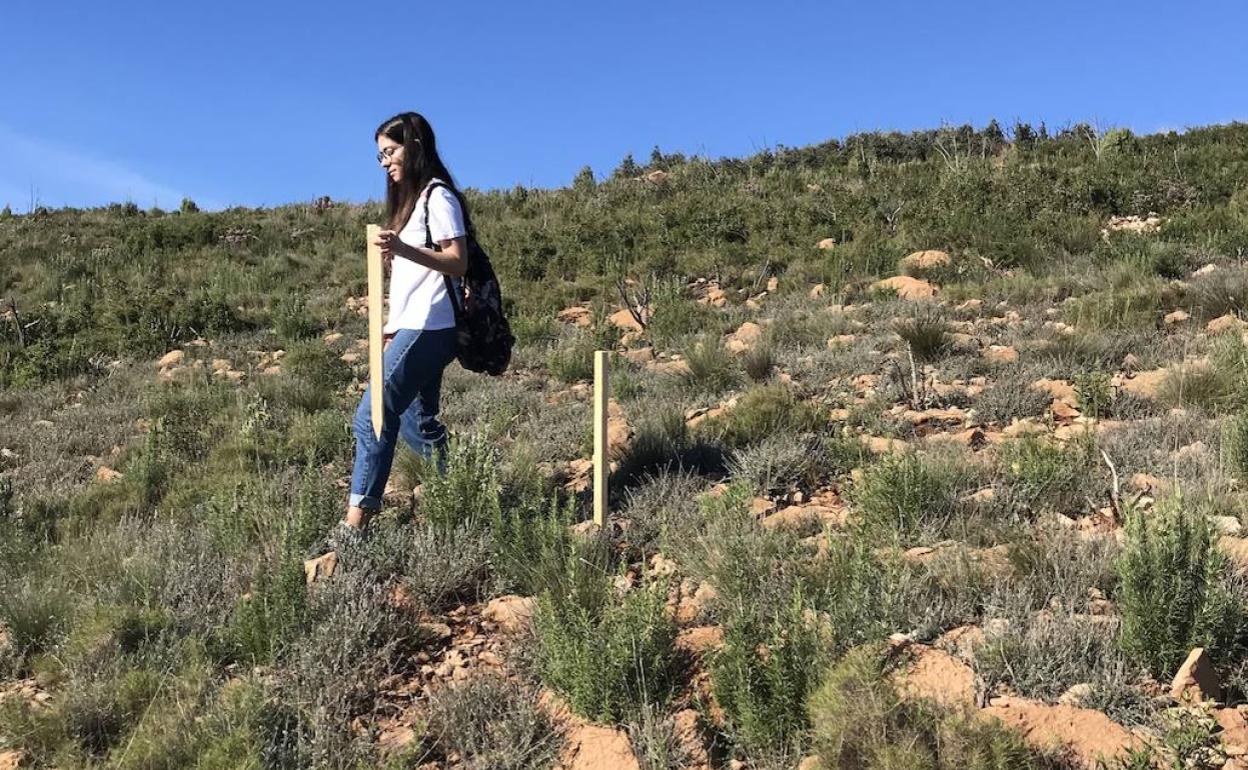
{"type": "Point", "coordinates": [692, 739]}
{"type": "Point", "coordinates": [639, 355]}
{"type": "Point", "coordinates": [1176, 317]}
{"type": "Point", "coordinates": [1089, 735]}
{"type": "Point", "coordinates": [1225, 323]}
{"type": "Point", "coordinates": [817, 290]}
{"type": "Point", "coordinates": [1058, 389]}
{"type": "Point", "coordinates": [1227, 525]}
{"type": "Point", "coordinates": [700, 639]}
{"type": "Point", "coordinates": [1196, 680]}
{"type": "Point", "coordinates": [576, 315]}
{"type": "Point", "coordinates": [592, 747]}
{"type": "Point", "coordinates": [744, 338]}
{"type": "Point", "coordinates": [879, 445]}
{"type": "Point", "coordinates": [826, 243]}
{"type": "Point", "coordinates": [320, 568]}
{"type": "Point", "coordinates": [918, 262]}
{"type": "Point", "coordinates": [619, 432]}
{"type": "Point", "coordinates": [906, 287]}
{"type": "Point", "coordinates": [1146, 384]}
{"type": "Point", "coordinates": [970, 306]}
{"type": "Point", "coordinates": [1234, 726]}
{"type": "Point", "coordinates": [105, 474]}
{"type": "Point", "coordinates": [172, 358]}
{"type": "Point", "coordinates": [623, 319]}
{"type": "Point", "coordinates": [937, 676]}
{"type": "Point", "coordinates": [12, 760]}
{"type": "Point", "coordinates": [1000, 354]}
{"type": "Point", "coordinates": [510, 613]}
{"type": "Point", "coordinates": [1075, 694]}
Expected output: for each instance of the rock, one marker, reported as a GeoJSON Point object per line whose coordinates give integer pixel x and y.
{"type": "Point", "coordinates": [619, 432]}
{"type": "Point", "coordinates": [332, 337]}
{"type": "Point", "coordinates": [1133, 224]}
{"type": "Point", "coordinates": [1089, 734]}
{"type": "Point", "coordinates": [1058, 389]}
{"type": "Point", "coordinates": [677, 368]}
{"type": "Point", "coordinates": [938, 676]}
{"type": "Point", "coordinates": [906, 287]}
{"type": "Point", "coordinates": [576, 315]}
{"type": "Point", "coordinates": [744, 338]}
{"type": "Point", "coordinates": [816, 291]}
{"type": "Point", "coordinates": [879, 445]}
{"type": "Point", "coordinates": [700, 640]}
{"type": "Point", "coordinates": [841, 339]}
{"type": "Point", "coordinates": [1176, 317]}
{"type": "Point", "coordinates": [105, 474]}
{"type": "Point", "coordinates": [1227, 525]}
{"type": "Point", "coordinates": [917, 263]}
{"type": "Point", "coordinates": [658, 176]}
{"type": "Point", "coordinates": [1063, 411]}
{"type": "Point", "coordinates": [826, 243]}
{"type": "Point", "coordinates": [320, 568]}
{"type": "Point", "coordinates": [962, 641]}
{"type": "Point", "coordinates": [591, 747]}
{"type": "Point", "coordinates": [640, 355]}
{"type": "Point", "coordinates": [970, 306]}
{"type": "Point", "coordinates": [623, 319]}
{"type": "Point", "coordinates": [440, 632]}
{"type": "Point", "coordinates": [1024, 427]}
{"type": "Point", "coordinates": [172, 358]}
{"type": "Point", "coordinates": [692, 739]}
{"type": "Point", "coordinates": [1146, 384]}
{"type": "Point", "coordinates": [761, 506]}
{"type": "Point", "coordinates": [1196, 680]}
{"type": "Point", "coordinates": [1000, 354]}
{"type": "Point", "coordinates": [1075, 694]}
{"type": "Point", "coordinates": [810, 763]}
{"type": "Point", "coordinates": [1225, 323]}
{"type": "Point", "coordinates": [12, 760]}
{"type": "Point", "coordinates": [1234, 726]}
{"type": "Point", "coordinates": [510, 613]}
{"type": "Point", "coordinates": [349, 357]}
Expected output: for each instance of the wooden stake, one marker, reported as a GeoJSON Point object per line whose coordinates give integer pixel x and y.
{"type": "Point", "coordinates": [602, 371]}
{"type": "Point", "coordinates": [376, 287]}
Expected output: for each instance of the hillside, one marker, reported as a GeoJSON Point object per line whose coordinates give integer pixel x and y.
{"type": "Point", "coordinates": [926, 453]}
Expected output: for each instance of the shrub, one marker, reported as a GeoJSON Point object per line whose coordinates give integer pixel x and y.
{"type": "Point", "coordinates": [468, 494]}
{"type": "Point", "coordinates": [1042, 476]}
{"type": "Point", "coordinates": [761, 412]}
{"type": "Point", "coordinates": [759, 361]}
{"type": "Point", "coordinates": [1094, 393]}
{"type": "Point", "coordinates": [925, 331]}
{"type": "Point", "coordinates": [859, 721]}
{"type": "Point", "coordinates": [489, 722]}
{"type": "Point", "coordinates": [765, 671]}
{"type": "Point", "coordinates": [531, 543]}
{"type": "Point", "coordinates": [1009, 398]}
{"type": "Point", "coordinates": [1211, 388]}
{"type": "Point", "coordinates": [711, 370]}
{"type": "Point", "coordinates": [290, 318]}
{"type": "Point", "coordinates": [782, 463]}
{"type": "Point", "coordinates": [909, 496]}
{"type": "Point", "coordinates": [607, 656]}
{"type": "Point", "coordinates": [1172, 592]}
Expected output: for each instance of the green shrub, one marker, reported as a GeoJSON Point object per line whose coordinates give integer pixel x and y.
{"type": "Point", "coordinates": [290, 318]}
{"type": "Point", "coordinates": [606, 656]}
{"type": "Point", "coordinates": [925, 330]}
{"type": "Point", "coordinates": [759, 361]}
{"type": "Point", "coordinates": [782, 463]}
{"type": "Point", "coordinates": [761, 412]}
{"type": "Point", "coordinates": [765, 671]}
{"type": "Point", "coordinates": [468, 494]}
{"type": "Point", "coordinates": [909, 496]}
{"type": "Point", "coordinates": [859, 721]}
{"type": "Point", "coordinates": [1172, 592]}
{"type": "Point", "coordinates": [531, 543]}
{"type": "Point", "coordinates": [1094, 394]}
{"type": "Point", "coordinates": [1043, 476]}
{"type": "Point", "coordinates": [711, 369]}
{"type": "Point", "coordinates": [1009, 398]}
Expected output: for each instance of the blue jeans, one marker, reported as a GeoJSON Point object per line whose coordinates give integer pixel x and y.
{"type": "Point", "coordinates": [412, 367]}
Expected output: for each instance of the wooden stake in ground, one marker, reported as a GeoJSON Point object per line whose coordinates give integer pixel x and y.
{"type": "Point", "coordinates": [602, 371]}
{"type": "Point", "coordinates": [376, 287]}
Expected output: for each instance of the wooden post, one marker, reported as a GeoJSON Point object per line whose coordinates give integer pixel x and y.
{"type": "Point", "coordinates": [602, 389]}
{"type": "Point", "coordinates": [376, 288]}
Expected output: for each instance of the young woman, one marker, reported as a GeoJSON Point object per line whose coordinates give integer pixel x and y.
{"type": "Point", "coordinates": [420, 330]}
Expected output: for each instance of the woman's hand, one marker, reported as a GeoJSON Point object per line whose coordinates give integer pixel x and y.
{"type": "Point", "coordinates": [389, 243]}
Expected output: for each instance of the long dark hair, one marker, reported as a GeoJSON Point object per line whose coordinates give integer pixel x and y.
{"type": "Point", "coordinates": [420, 164]}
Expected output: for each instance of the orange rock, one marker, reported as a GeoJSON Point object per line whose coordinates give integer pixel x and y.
{"type": "Point", "coordinates": [816, 291]}
{"type": "Point", "coordinates": [1196, 680]}
{"type": "Point", "coordinates": [640, 355]}
{"type": "Point", "coordinates": [1176, 317]}
{"type": "Point", "coordinates": [1146, 384]}
{"type": "Point", "coordinates": [1225, 323]}
{"type": "Point", "coordinates": [578, 315]}
{"type": "Point", "coordinates": [1058, 389]}
{"type": "Point", "coordinates": [623, 319]}
{"type": "Point", "coordinates": [319, 568]}
{"type": "Point", "coordinates": [510, 613]}
{"type": "Point", "coordinates": [826, 243]}
{"type": "Point", "coordinates": [920, 261]}
{"type": "Point", "coordinates": [1088, 734]}
{"type": "Point", "coordinates": [700, 640]}
{"type": "Point", "coordinates": [879, 445]}
{"type": "Point", "coordinates": [591, 747]}
{"type": "Point", "coordinates": [1001, 354]}
{"type": "Point", "coordinates": [906, 287]}
{"type": "Point", "coordinates": [938, 676]}
{"type": "Point", "coordinates": [105, 474]}
{"type": "Point", "coordinates": [744, 338]}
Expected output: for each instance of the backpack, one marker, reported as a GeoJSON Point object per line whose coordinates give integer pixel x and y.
{"type": "Point", "coordinates": [483, 336]}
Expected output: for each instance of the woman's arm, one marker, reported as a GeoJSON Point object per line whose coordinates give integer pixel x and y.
{"type": "Point", "coordinates": [452, 259]}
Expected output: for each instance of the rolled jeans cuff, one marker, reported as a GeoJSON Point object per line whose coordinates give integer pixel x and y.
{"type": "Point", "coordinates": [364, 501]}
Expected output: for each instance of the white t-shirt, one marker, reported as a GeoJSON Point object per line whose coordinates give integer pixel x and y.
{"type": "Point", "coordinates": [418, 298]}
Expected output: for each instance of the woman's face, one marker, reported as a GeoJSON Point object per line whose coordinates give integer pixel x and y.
{"type": "Point", "coordinates": [391, 157]}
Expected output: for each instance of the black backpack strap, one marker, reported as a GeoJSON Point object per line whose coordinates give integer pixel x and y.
{"type": "Point", "coordinates": [429, 244]}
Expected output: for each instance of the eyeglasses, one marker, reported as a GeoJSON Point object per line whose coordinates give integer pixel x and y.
{"type": "Point", "coordinates": [388, 153]}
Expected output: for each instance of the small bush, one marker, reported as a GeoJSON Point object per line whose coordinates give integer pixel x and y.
{"type": "Point", "coordinates": [1172, 593]}
{"type": "Point", "coordinates": [1011, 397]}
{"type": "Point", "coordinates": [531, 543]}
{"type": "Point", "coordinates": [925, 331]}
{"type": "Point", "coordinates": [607, 656]}
{"type": "Point", "coordinates": [764, 673]}
{"type": "Point", "coordinates": [1042, 476]}
{"type": "Point", "coordinates": [783, 463]}
{"type": "Point", "coordinates": [468, 494]}
{"type": "Point", "coordinates": [1211, 388]}
{"type": "Point", "coordinates": [711, 370]}
{"type": "Point", "coordinates": [1094, 393]}
{"type": "Point", "coordinates": [909, 496]}
{"type": "Point", "coordinates": [291, 320]}
{"type": "Point", "coordinates": [759, 361]}
{"type": "Point", "coordinates": [762, 412]}
{"type": "Point", "coordinates": [489, 722]}
{"type": "Point", "coordinates": [859, 721]}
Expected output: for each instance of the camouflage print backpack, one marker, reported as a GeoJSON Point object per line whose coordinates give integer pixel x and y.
{"type": "Point", "coordinates": [484, 338]}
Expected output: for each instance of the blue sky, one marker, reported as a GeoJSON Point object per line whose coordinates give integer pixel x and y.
{"type": "Point", "coordinates": [267, 102]}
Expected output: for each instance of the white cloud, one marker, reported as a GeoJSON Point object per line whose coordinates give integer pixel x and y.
{"type": "Point", "coordinates": [64, 176]}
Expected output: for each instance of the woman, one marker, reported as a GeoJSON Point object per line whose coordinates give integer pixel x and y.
{"type": "Point", "coordinates": [420, 330]}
